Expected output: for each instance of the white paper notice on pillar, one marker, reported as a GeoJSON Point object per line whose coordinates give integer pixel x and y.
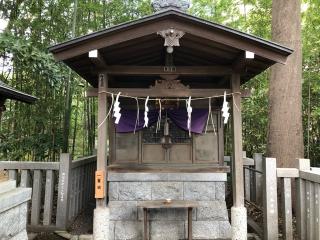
{"type": "Point", "coordinates": [225, 109]}
{"type": "Point", "coordinates": [116, 109]}
{"type": "Point", "coordinates": [146, 110]}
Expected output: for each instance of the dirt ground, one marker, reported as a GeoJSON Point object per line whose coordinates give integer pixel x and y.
{"type": "Point", "coordinates": [3, 176]}
{"type": "Point", "coordinates": [48, 236]}
{"type": "Point", "coordinates": [81, 225]}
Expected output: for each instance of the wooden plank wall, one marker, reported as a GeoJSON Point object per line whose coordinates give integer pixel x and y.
{"type": "Point", "coordinates": [71, 181]}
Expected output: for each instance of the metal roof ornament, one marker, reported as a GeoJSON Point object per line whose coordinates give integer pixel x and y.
{"type": "Point", "coordinates": [159, 5]}
{"type": "Point", "coordinates": [171, 37]}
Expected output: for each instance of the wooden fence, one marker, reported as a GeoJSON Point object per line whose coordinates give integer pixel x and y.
{"type": "Point", "coordinates": [253, 177]}
{"type": "Point", "coordinates": [307, 182]}
{"type": "Point", "coordinates": [60, 190]}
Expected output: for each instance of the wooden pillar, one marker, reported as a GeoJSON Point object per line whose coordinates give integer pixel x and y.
{"type": "Point", "coordinates": [102, 134]}
{"type": "Point", "coordinates": [237, 164]}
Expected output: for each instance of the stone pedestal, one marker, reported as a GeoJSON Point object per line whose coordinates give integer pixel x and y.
{"type": "Point", "coordinates": [239, 223]}
{"type": "Point", "coordinates": [13, 211]}
{"type": "Point", "coordinates": [210, 219]}
{"type": "Point", "coordinates": [101, 224]}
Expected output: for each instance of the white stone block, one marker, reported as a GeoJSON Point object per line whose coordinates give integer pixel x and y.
{"type": "Point", "coordinates": [7, 186]}
{"type": "Point", "coordinates": [137, 177]}
{"type": "Point", "coordinates": [239, 223]}
{"type": "Point", "coordinates": [168, 230]}
{"type": "Point", "coordinates": [134, 191]}
{"type": "Point", "coordinates": [202, 191]}
{"type": "Point", "coordinates": [220, 191]}
{"type": "Point", "coordinates": [205, 229]}
{"type": "Point", "coordinates": [123, 210]}
{"type": "Point", "coordinates": [212, 210]}
{"type": "Point", "coordinates": [165, 190]}
{"type": "Point", "coordinates": [10, 223]}
{"type": "Point", "coordinates": [128, 230]}
{"type": "Point", "coordinates": [113, 191]}
{"type": "Point", "coordinates": [224, 230]}
{"type": "Point", "coordinates": [13, 198]}
{"type": "Point", "coordinates": [101, 221]}
{"type": "Point", "coordinates": [20, 236]}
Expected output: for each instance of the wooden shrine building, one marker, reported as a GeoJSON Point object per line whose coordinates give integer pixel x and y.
{"type": "Point", "coordinates": [169, 57]}
{"type": "Point", "coordinates": [7, 92]}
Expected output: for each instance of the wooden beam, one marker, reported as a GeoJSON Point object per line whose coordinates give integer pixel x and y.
{"type": "Point", "coordinates": [287, 172]}
{"type": "Point", "coordinates": [96, 57]}
{"type": "Point", "coordinates": [121, 70]}
{"type": "Point", "coordinates": [144, 92]}
{"type": "Point", "coordinates": [240, 63]}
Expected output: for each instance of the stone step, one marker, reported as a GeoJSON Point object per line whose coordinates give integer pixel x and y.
{"type": "Point", "coordinates": [7, 186]}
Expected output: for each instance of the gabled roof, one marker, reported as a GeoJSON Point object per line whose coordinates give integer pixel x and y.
{"type": "Point", "coordinates": [8, 92]}
{"type": "Point", "coordinates": [137, 43]}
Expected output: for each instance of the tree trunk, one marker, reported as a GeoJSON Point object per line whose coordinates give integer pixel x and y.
{"type": "Point", "coordinates": [285, 135]}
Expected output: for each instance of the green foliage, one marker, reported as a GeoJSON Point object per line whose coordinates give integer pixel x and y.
{"type": "Point", "coordinates": [24, 129]}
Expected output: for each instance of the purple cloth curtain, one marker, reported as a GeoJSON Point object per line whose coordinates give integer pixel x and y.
{"type": "Point", "coordinates": [198, 119]}
{"type": "Point", "coordinates": [178, 116]}
{"type": "Point", "coordinates": [128, 120]}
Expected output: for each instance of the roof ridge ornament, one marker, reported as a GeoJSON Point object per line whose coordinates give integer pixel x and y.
{"type": "Point", "coordinates": [159, 5]}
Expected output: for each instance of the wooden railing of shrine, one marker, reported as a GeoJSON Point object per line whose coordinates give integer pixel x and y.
{"type": "Point", "coordinates": [264, 181]}
{"type": "Point", "coordinates": [60, 190]}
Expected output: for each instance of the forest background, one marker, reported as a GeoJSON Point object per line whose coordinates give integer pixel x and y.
{"type": "Point", "coordinates": [63, 119]}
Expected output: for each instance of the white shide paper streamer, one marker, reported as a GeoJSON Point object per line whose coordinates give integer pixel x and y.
{"type": "Point", "coordinates": [146, 110]}
{"type": "Point", "coordinates": [225, 109]}
{"type": "Point", "coordinates": [116, 109]}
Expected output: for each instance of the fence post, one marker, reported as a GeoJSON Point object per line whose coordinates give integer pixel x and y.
{"type": "Point", "coordinates": [13, 175]}
{"type": "Point", "coordinates": [63, 190]}
{"type": "Point", "coordinates": [48, 197]}
{"type": "Point", "coordinates": [287, 209]}
{"type": "Point", "coordinates": [258, 178]}
{"type": "Point", "coordinates": [247, 179]}
{"type": "Point", "coordinates": [304, 164]}
{"type": "Point", "coordinates": [270, 205]}
{"type": "Point", "coordinates": [36, 197]}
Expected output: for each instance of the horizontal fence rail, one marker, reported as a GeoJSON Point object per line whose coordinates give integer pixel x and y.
{"type": "Point", "coordinates": [60, 190]}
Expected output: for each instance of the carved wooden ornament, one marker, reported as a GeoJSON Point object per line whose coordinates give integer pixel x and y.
{"type": "Point", "coordinates": [169, 84]}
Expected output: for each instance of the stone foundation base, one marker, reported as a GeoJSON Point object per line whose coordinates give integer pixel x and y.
{"type": "Point", "coordinates": [13, 211]}
{"type": "Point", "coordinates": [126, 190]}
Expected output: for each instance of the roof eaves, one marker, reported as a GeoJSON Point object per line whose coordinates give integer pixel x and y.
{"type": "Point", "coordinates": [171, 11]}
{"type": "Point", "coordinates": [12, 93]}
